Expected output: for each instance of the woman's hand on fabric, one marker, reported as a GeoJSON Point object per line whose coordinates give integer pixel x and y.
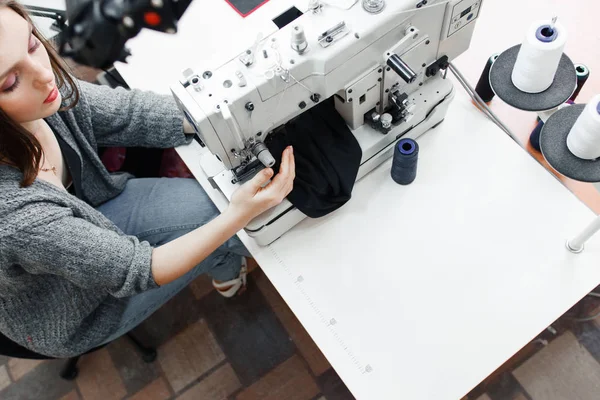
{"type": "Point", "coordinates": [258, 195]}
{"type": "Point", "coordinates": [177, 257]}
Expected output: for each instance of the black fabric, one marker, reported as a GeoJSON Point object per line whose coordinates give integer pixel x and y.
{"type": "Point", "coordinates": [142, 162]}
{"type": "Point", "coordinates": [73, 162]}
{"type": "Point", "coordinates": [9, 348]}
{"type": "Point", "coordinates": [327, 158]}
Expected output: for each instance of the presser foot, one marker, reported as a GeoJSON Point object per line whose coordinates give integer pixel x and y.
{"type": "Point", "coordinates": [246, 172]}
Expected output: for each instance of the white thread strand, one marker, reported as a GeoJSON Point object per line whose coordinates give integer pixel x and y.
{"type": "Point", "coordinates": [538, 61]}
{"type": "Point", "coordinates": [301, 84]}
{"type": "Point", "coordinates": [584, 138]}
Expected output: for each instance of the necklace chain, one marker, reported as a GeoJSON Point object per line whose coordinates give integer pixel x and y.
{"type": "Point", "coordinates": [52, 168]}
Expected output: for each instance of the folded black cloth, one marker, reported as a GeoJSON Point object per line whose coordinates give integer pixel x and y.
{"type": "Point", "coordinates": [327, 158]}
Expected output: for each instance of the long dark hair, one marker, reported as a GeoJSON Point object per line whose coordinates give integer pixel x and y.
{"type": "Point", "coordinates": [18, 146]}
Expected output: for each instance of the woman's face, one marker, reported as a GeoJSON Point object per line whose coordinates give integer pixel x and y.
{"type": "Point", "coordinates": [28, 89]}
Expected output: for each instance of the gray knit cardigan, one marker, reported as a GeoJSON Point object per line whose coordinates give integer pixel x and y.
{"type": "Point", "coordinates": [66, 271]}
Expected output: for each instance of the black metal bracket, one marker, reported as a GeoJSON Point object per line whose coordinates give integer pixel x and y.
{"type": "Point", "coordinates": [441, 63]}
{"type": "Point", "coordinates": [59, 16]}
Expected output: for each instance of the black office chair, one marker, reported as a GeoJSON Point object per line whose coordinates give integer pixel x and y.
{"type": "Point", "coordinates": [69, 371]}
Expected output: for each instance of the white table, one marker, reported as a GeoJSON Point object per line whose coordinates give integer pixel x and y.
{"type": "Point", "coordinates": [415, 292]}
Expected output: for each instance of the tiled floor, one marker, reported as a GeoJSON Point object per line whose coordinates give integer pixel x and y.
{"type": "Point", "coordinates": [208, 348]}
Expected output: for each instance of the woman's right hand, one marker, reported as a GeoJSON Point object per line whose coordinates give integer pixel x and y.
{"type": "Point", "coordinates": [253, 197]}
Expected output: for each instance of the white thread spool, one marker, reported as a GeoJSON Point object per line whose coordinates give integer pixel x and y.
{"type": "Point", "coordinates": [584, 138]}
{"type": "Point", "coordinates": [539, 56]}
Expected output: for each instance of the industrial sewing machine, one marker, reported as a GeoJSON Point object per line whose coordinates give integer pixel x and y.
{"type": "Point", "coordinates": [382, 61]}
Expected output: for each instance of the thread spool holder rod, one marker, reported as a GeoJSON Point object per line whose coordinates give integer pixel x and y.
{"type": "Point", "coordinates": [576, 245]}
{"type": "Point", "coordinates": [553, 23]}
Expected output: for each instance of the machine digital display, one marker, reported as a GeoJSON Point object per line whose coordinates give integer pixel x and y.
{"type": "Point", "coordinates": [468, 10]}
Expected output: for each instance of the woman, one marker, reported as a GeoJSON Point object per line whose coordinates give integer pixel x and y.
{"type": "Point", "coordinates": [85, 256]}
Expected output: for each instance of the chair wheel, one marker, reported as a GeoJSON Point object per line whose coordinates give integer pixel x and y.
{"type": "Point", "coordinates": [149, 356]}
{"type": "Point", "coordinates": [70, 374]}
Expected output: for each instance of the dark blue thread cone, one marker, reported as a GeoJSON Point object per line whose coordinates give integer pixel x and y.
{"type": "Point", "coordinates": [404, 164]}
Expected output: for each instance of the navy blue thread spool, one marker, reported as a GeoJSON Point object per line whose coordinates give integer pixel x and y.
{"type": "Point", "coordinates": [483, 88]}
{"type": "Point", "coordinates": [404, 164]}
{"type": "Point", "coordinates": [534, 138]}
{"type": "Point", "coordinates": [583, 73]}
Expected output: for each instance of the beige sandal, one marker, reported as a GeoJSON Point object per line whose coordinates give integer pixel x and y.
{"type": "Point", "coordinates": [232, 287]}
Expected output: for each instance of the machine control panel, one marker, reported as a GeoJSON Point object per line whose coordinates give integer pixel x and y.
{"type": "Point", "coordinates": [463, 13]}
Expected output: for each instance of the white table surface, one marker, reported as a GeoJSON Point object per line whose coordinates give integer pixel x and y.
{"type": "Point", "coordinates": [419, 291]}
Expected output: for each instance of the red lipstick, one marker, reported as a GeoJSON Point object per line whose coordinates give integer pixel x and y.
{"type": "Point", "coordinates": [52, 96]}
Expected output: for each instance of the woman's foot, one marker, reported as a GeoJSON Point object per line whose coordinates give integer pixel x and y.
{"type": "Point", "coordinates": [235, 286]}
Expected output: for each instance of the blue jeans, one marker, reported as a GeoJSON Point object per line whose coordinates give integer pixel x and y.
{"type": "Point", "coordinates": [158, 210]}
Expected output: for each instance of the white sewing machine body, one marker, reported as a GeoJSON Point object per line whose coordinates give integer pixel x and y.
{"type": "Point", "coordinates": [235, 106]}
